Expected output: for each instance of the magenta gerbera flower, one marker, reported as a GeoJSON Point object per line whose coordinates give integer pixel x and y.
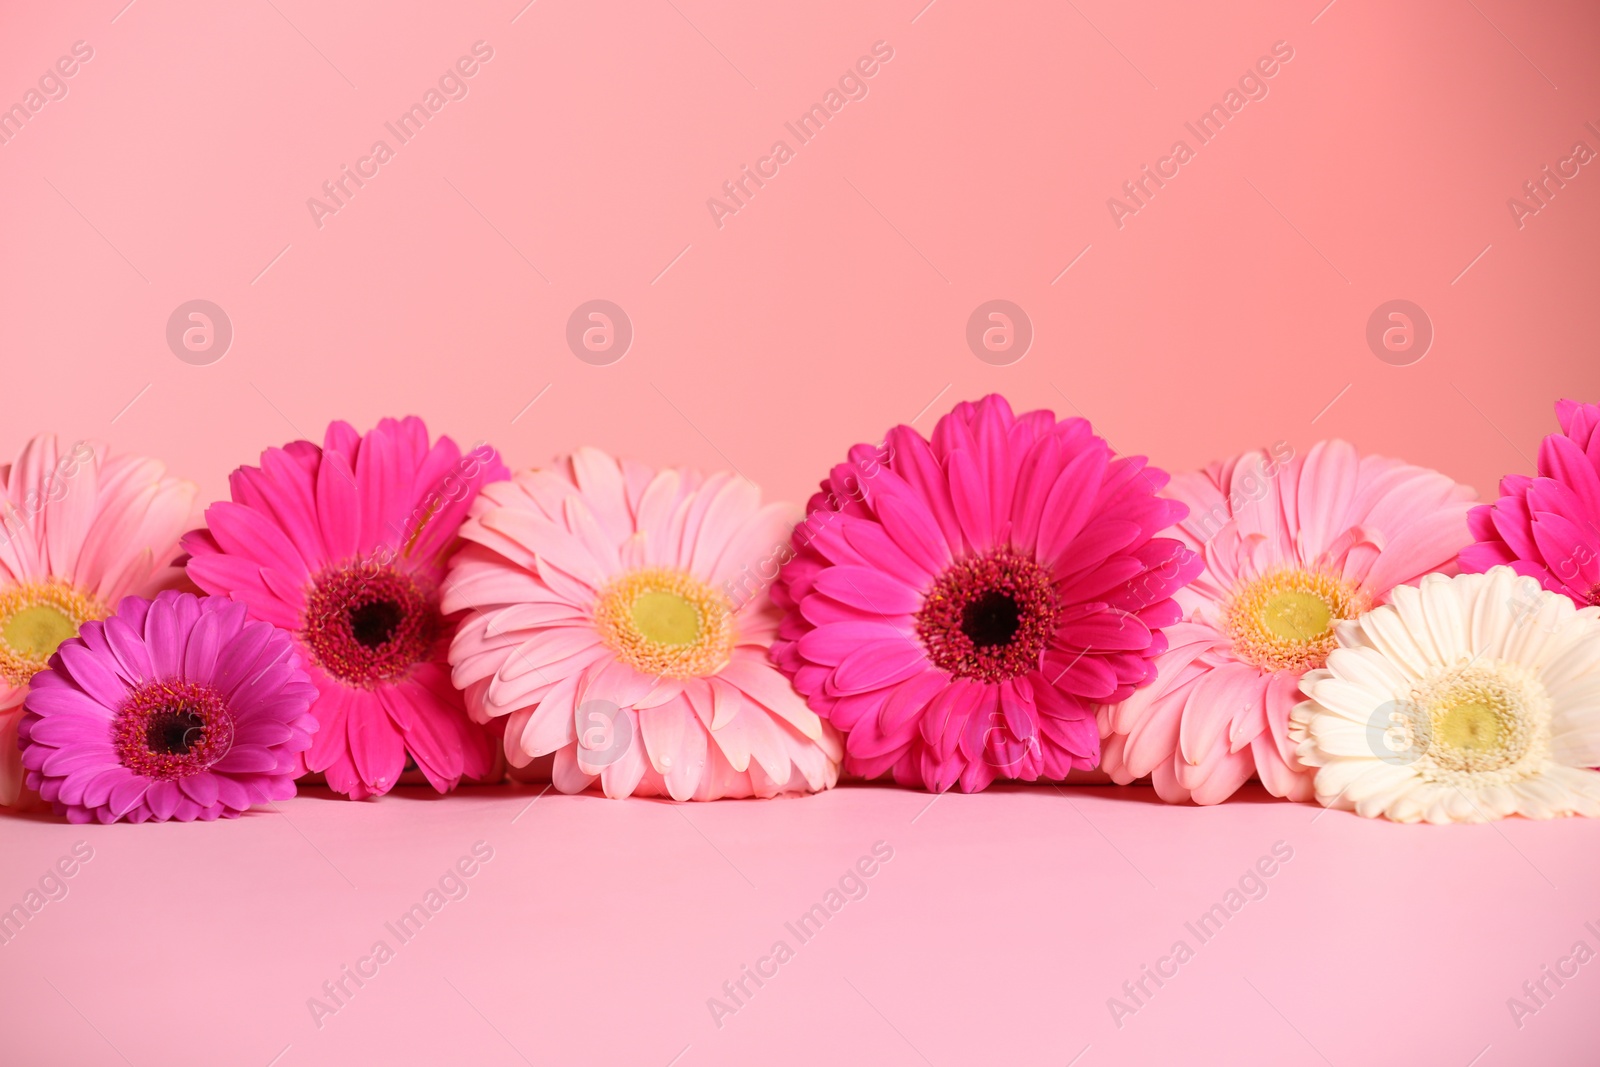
{"type": "Point", "coordinates": [177, 708]}
{"type": "Point", "coordinates": [1548, 527]}
{"type": "Point", "coordinates": [346, 546]}
{"type": "Point", "coordinates": [957, 606]}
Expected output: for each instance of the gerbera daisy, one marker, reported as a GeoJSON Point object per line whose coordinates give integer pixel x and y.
{"type": "Point", "coordinates": [1548, 527]}
{"type": "Point", "coordinates": [1451, 704]}
{"type": "Point", "coordinates": [79, 530]}
{"type": "Point", "coordinates": [180, 708]}
{"type": "Point", "coordinates": [345, 546]}
{"type": "Point", "coordinates": [606, 621]}
{"type": "Point", "coordinates": [1292, 545]}
{"type": "Point", "coordinates": [956, 606]}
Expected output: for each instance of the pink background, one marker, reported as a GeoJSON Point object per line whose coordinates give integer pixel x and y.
{"type": "Point", "coordinates": [1230, 311]}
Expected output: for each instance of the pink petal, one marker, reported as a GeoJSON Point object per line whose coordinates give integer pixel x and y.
{"type": "Point", "coordinates": [877, 664]}
{"type": "Point", "coordinates": [375, 744]}
{"type": "Point", "coordinates": [869, 589]}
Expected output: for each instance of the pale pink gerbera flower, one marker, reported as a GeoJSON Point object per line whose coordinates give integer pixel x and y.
{"type": "Point", "coordinates": [605, 621]}
{"type": "Point", "coordinates": [79, 530]}
{"type": "Point", "coordinates": [345, 546]}
{"type": "Point", "coordinates": [1292, 546]}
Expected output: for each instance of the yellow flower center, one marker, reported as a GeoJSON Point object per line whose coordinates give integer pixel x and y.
{"type": "Point", "coordinates": [1297, 617]}
{"type": "Point", "coordinates": [1476, 723]}
{"type": "Point", "coordinates": [1481, 718]}
{"type": "Point", "coordinates": [35, 619]}
{"type": "Point", "coordinates": [666, 618]}
{"type": "Point", "coordinates": [1472, 728]}
{"type": "Point", "coordinates": [665, 622]}
{"type": "Point", "coordinates": [1285, 620]}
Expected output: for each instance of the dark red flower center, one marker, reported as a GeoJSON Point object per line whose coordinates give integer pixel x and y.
{"type": "Point", "coordinates": [373, 625]}
{"type": "Point", "coordinates": [366, 624]}
{"type": "Point", "coordinates": [174, 732]}
{"type": "Point", "coordinates": [172, 729]}
{"type": "Point", "coordinates": [988, 618]}
{"type": "Point", "coordinates": [991, 620]}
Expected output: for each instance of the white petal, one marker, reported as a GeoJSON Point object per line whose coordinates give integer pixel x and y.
{"type": "Point", "coordinates": [1368, 668]}
{"type": "Point", "coordinates": [1334, 781]}
{"type": "Point", "coordinates": [1378, 780]}
{"type": "Point", "coordinates": [1349, 700]}
{"type": "Point", "coordinates": [1441, 606]}
{"type": "Point", "coordinates": [1389, 635]}
{"type": "Point", "coordinates": [1336, 735]}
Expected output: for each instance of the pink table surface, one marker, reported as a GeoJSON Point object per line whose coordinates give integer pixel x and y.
{"type": "Point", "coordinates": [1229, 312]}
{"type": "Point", "coordinates": [997, 933]}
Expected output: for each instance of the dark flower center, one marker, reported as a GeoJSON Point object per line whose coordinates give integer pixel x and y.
{"type": "Point", "coordinates": [989, 618]}
{"type": "Point", "coordinates": [172, 729]}
{"type": "Point", "coordinates": [992, 619]}
{"type": "Point", "coordinates": [375, 623]}
{"type": "Point", "coordinates": [368, 623]}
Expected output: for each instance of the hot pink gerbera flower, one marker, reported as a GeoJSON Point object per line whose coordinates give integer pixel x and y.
{"type": "Point", "coordinates": [1292, 546]}
{"type": "Point", "coordinates": [956, 606]}
{"type": "Point", "coordinates": [345, 546]}
{"type": "Point", "coordinates": [607, 623]}
{"type": "Point", "coordinates": [1548, 528]}
{"type": "Point", "coordinates": [79, 530]}
{"type": "Point", "coordinates": [179, 708]}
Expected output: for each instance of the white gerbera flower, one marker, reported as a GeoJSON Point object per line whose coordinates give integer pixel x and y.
{"type": "Point", "coordinates": [1468, 699]}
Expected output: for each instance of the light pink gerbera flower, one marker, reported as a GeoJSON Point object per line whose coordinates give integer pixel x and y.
{"type": "Point", "coordinates": [956, 606]}
{"type": "Point", "coordinates": [345, 546]}
{"type": "Point", "coordinates": [606, 622]}
{"type": "Point", "coordinates": [79, 530]}
{"type": "Point", "coordinates": [179, 708]}
{"type": "Point", "coordinates": [1292, 546]}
